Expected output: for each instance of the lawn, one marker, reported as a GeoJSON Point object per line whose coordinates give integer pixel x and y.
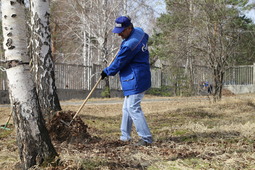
{"type": "Point", "coordinates": [188, 132]}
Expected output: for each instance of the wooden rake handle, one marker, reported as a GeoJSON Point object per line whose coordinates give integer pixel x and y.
{"type": "Point", "coordinates": [92, 90]}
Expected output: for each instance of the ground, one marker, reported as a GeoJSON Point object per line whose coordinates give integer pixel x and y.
{"type": "Point", "coordinates": [189, 133]}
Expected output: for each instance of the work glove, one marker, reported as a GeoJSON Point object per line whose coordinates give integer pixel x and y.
{"type": "Point", "coordinates": [103, 75]}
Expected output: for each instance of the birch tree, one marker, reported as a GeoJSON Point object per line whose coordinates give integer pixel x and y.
{"type": "Point", "coordinates": [34, 143]}
{"type": "Point", "coordinates": [43, 65]}
{"type": "Point", "coordinates": [88, 24]}
{"type": "Point", "coordinates": [86, 27]}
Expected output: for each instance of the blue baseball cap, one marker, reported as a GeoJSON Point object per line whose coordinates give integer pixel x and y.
{"type": "Point", "coordinates": [121, 23]}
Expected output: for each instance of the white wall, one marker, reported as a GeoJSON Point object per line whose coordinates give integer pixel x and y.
{"type": "Point", "coordinates": [240, 89]}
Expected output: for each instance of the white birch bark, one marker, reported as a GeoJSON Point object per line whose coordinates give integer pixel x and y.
{"type": "Point", "coordinates": [32, 137]}
{"type": "Point", "coordinates": [43, 65]}
{"type": "Point", "coordinates": [9, 18]}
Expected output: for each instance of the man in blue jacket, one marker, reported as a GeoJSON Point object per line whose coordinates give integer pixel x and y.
{"type": "Point", "coordinates": [132, 64]}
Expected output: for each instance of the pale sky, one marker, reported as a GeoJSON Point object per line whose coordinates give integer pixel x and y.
{"type": "Point", "coordinates": [160, 7]}
{"type": "Point", "coordinates": [251, 14]}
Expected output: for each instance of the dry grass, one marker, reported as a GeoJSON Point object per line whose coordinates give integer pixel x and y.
{"type": "Point", "coordinates": [189, 133]}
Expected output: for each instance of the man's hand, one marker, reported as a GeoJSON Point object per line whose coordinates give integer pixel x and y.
{"type": "Point", "coordinates": [103, 75]}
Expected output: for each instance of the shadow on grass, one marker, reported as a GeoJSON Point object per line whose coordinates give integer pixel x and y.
{"type": "Point", "coordinates": [251, 104]}
{"type": "Point", "coordinates": [89, 164]}
{"type": "Point", "coordinates": [115, 165]}
{"type": "Point", "coordinates": [231, 135]}
{"type": "Point", "coordinates": [102, 127]}
{"type": "Point", "coordinates": [106, 118]}
{"type": "Point", "coordinates": [200, 114]}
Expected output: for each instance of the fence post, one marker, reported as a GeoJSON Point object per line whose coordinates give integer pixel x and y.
{"type": "Point", "coordinates": [93, 78]}
{"type": "Point", "coordinates": [253, 77]}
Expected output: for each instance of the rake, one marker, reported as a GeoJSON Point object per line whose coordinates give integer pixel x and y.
{"type": "Point", "coordinates": [90, 93]}
{"type": "Point", "coordinates": [7, 122]}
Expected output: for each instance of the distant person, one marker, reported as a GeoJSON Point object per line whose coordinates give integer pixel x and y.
{"type": "Point", "coordinates": [132, 64]}
{"type": "Point", "coordinates": [210, 89]}
{"type": "Point", "coordinates": [207, 86]}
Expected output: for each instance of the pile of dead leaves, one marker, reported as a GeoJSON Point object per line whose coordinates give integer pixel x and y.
{"type": "Point", "coordinates": [60, 130]}
{"type": "Point", "coordinates": [226, 92]}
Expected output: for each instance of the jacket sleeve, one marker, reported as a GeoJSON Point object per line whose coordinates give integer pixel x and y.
{"type": "Point", "coordinates": [124, 56]}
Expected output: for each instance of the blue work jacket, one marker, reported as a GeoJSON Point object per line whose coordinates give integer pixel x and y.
{"type": "Point", "coordinates": [132, 63]}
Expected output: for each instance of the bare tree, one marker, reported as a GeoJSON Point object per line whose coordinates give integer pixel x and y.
{"type": "Point", "coordinates": [87, 25]}
{"type": "Point", "coordinates": [218, 38]}
{"type": "Point", "coordinates": [200, 32]}
{"type": "Point", "coordinates": [142, 12]}
{"type": "Point", "coordinates": [90, 23]}
{"type": "Point", "coordinates": [34, 143]}
{"type": "Point", "coordinates": [43, 65]}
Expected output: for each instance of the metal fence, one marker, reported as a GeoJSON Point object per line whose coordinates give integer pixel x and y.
{"type": "Point", "coordinates": [240, 75]}
{"type": "Point", "coordinates": [71, 76]}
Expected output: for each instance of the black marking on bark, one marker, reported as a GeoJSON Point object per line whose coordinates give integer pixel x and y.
{"type": "Point", "coordinates": [12, 2]}
{"type": "Point", "coordinates": [9, 34]}
{"type": "Point", "coordinates": [9, 42]}
{"type": "Point", "coordinates": [5, 16]}
{"type": "Point", "coordinates": [11, 47]}
{"type": "Point", "coordinates": [21, 1]}
{"type": "Point", "coordinates": [13, 63]}
{"type": "Point", "coordinates": [6, 28]}
{"type": "Point", "coordinates": [13, 15]}
{"type": "Point", "coordinates": [47, 15]}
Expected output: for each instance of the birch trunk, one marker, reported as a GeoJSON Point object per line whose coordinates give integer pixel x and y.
{"type": "Point", "coordinates": [104, 51]}
{"type": "Point", "coordinates": [32, 137]}
{"type": "Point", "coordinates": [43, 66]}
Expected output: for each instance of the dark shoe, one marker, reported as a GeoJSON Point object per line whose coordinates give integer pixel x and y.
{"type": "Point", "coordinates": [142, 143]}
{"type": "Point", "coordinates": [126, 142]}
